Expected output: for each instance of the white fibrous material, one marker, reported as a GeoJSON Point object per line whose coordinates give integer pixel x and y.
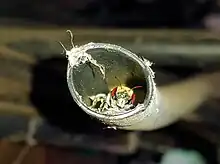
{"type": "Point", "coordinates": [78, 56]}
{"type": "Point", "coordinates": [149, 64]}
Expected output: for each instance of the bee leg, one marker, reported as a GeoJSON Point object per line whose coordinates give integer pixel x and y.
{"type": "Point", "coordinates": [105, 106]}
{"type": "Point", "coordinates": [102, 105]}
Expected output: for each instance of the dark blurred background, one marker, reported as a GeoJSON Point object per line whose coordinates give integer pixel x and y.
{"type": "Point", "coordinates": [114, 13]}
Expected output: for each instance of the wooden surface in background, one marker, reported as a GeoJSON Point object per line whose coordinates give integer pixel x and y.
{"type": "Point", "coordinates": [45, 155]}
{"type": "Point", "coordinates": [10, 151]}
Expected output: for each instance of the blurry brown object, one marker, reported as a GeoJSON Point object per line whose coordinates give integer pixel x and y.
{"type": "Point", "coordinates": [10, 151]}
{"type": "Point", "coordinates": [45, 155]}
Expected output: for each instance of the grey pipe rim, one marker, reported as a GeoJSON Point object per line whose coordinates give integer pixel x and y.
{"type": "Point", "coordinates": [131, 117]}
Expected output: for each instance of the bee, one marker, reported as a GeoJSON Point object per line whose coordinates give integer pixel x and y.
{"type": "Point", "coordinates": [122, 96]}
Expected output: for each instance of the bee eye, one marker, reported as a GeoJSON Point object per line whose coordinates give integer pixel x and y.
{"type": "Point", "coordinates": [114, 91]}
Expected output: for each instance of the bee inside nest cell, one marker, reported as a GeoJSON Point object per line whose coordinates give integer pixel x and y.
{"type": "Point", "coordinates": [118, 99]}
{"type": "Point", "coordinates": [126, 92]}
{"type": "Point", "coordinates": [123, 87]}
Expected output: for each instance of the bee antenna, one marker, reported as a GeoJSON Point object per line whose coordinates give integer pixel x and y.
{"type": "Point", "coordinates": [64, 48]}
{"type": "Point", "coordinates": [71, 38]}
{"type": "Point", "coordinates": [137, 87]}
{"type": "Point", "coordinates": [118, 81]}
